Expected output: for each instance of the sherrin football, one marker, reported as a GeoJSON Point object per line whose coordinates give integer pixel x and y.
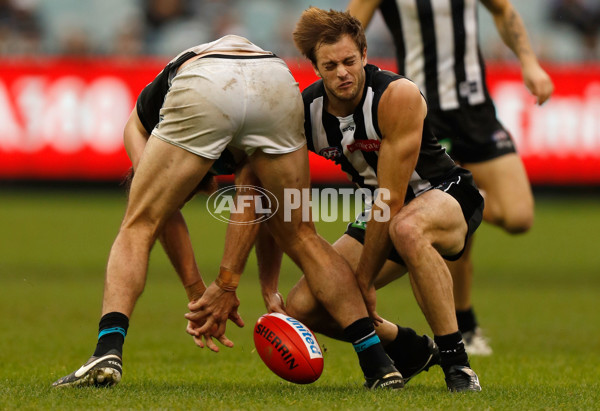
{"type": "Point", "coordinates": [288, 348]}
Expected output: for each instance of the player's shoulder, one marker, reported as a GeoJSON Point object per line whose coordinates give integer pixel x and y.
{"type": "Point", "coordinates": [377, 74]}
{"type": "Point", "coordinates": [384, 81]}
{"type": "Point", "coordinates": [393, 85]}
{"type": "Point", "coordinates": [378, 77]}
{"type": "Point", "coordinates": [405, 87]}
{"type": "Point", "coordinates": [405, 94]}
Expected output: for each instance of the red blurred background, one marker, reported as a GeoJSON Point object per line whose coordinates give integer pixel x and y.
{"type": "Point", "coordinates": [62, 119]}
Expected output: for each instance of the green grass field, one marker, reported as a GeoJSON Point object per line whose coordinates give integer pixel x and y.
{"type": "Point", "coordinates": [537, 296]}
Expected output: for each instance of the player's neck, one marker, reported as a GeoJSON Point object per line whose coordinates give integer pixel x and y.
{"type": "Point", "coordinates": [341, 108]}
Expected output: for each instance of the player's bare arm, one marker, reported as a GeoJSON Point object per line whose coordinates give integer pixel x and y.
{"type": "Point", "coordinates": [401, 113]}
{"type": "Point", "coordinates": [513, 33]}
{"type": "Point", "coordinates": [363, 10]}
{"type": "Point", "coordinates": [210, 313]}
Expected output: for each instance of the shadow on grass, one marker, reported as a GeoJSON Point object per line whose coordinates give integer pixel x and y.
{"type": "Point", "coordinates": [261, 388]}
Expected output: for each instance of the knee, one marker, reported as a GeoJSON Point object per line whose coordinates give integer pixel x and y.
{"type": "Point", "coordinates": [300, 304]}
{"type": "Point", "coordinates": [406, 235]}
{"type": "Point", "coordinates": [514, 220]}
{"type": "Point", "coordinates": [298, 312]}
{"type": "Point", "coordinates": [304, 307]}
{"type": "Point", "coordinates": [139, 230]}
{"type": "Point", "coordinates": [519, 224]}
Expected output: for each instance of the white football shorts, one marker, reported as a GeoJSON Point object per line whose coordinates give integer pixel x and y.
{"type": "Point", "coordinates": [247, 102]}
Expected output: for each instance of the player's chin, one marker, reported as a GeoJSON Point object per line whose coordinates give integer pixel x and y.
{"type": "Point", "coordinates": [346, 94]}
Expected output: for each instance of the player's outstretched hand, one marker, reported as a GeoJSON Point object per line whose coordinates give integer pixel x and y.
{"type": "Point", "coordinates": [274, 302]}
{"type": "Point", "coordinates": [205, 340]}
{"type": "Point", "coordinates": [208, 317]}
{"type": "Point", "coordinates": [538, 82]}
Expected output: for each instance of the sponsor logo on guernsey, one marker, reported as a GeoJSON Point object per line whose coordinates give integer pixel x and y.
{"type": "Point", "coordinates": [331, 153]}
{"type": "Point", "coordinates": [305, 334]}
{"type": "Point", "coordinates": [364, 145]}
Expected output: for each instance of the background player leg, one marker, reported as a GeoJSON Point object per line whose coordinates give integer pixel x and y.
{"type": "Point", "coordinates": [509, 204]}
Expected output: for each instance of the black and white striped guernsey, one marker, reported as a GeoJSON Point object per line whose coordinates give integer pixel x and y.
{"type": "Point", "coordinates": [437, 47]}
{"type": "Point", "coordinates": [353, 141]}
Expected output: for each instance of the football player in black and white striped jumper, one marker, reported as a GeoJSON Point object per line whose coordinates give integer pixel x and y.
{"type": "Point", "coordinates": [373, 124]}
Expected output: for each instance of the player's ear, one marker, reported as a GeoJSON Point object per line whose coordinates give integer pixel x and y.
{"type": "Point", "coordinates": [364, 56]}
{"type": "Point", "coordinates": [316, 70]}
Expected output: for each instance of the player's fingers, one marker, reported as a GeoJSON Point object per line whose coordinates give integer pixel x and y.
{"type": "Point", "coordinates": [195, 316]}
{"type": "Point", "coordinates": [198, 341]}
{"type": "Point", "coordinates": [540, 95]}
{"type": "Point", "coordinates": [377, 320]}
{"type": "Point", "coordinates": [190, 330]}
{"type": "Point", "coordinates": [207, 327]}
{"type": "Point", "coordinates": [225, 341]}
{"type": "Point", "coordinates": [277, 309]}
{"type": "Point", "coordinates": [210, 343]}
{"type": "Point", "coordinates": [544, 96]}
{"type": "Point", "coordinates": [542, 90]}
{"type": "Point", "coordinates": [237, 319]}
{"type": "Point", "coordinates": [219, 331]}
{"type": "Point", "coordinates": [194, 305]}
{"type": "Point", "coordinates": [194, 330]}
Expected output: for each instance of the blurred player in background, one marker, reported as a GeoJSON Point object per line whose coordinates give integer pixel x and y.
{"type": "Point", "coordinates": [227, 93]}
{"type": "Point", "coordinates": [437, 47]}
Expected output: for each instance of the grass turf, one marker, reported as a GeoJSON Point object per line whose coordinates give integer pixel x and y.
{"type": "Point", "coordinates": [537, 296]}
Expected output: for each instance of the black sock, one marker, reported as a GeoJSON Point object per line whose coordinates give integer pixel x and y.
{"type": "Point", "coordinates": [406, 347]}
{"type": "Point", "coordinates": [466, 320]}
{"type": "Point", "coordinates": [371, 355]}
{"type": "Point", "coordinates": [111, 333]}
{"type": "Point", "coordinates": [452, 350]}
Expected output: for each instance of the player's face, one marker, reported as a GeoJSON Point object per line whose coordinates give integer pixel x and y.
{"type": "Point", "coordinates": [341, 66]}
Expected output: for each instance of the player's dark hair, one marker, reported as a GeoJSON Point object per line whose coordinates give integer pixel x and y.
{"type": "Point", "coordinates": [317, 26]}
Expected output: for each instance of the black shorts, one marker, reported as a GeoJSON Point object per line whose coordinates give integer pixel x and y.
{"type": "Point", "coordinates": [471, 134]}
{"type": "Point", "coordinates": [459, 185]}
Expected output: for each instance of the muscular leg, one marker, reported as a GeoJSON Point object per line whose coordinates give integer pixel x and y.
{"type": "Point", "coordinates": [302, 304]}
{"type": "Point", "coordinates": [410, 352]}
{"type": "Point", "coordinates": [508, 198]}
{"type": "Point", "coordinates": [462, 277]}
{"type": "Point", "coordinates": [166, 175]}
{"type": "Point", "coordinates": [430, 225]}
{"type": "Point", "coordinates": [326, 272]}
